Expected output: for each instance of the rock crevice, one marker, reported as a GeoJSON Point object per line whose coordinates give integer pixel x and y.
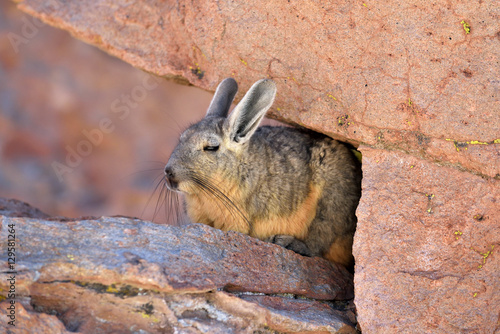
{"type": "Point", "coordinates": [410, 84]}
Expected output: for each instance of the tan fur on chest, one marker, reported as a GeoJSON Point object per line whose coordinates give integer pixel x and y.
{"type": "Point", "coordinates": [209, 207]}
{"type": "Point", "coordinates": [206, 208]}
{"type": "Point", "coordinates": [295, 223]}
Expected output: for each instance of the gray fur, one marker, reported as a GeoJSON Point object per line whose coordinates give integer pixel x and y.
{"type": "Point", "coordinates": [248, 114]}
{"type": "Point", "coordinates": [223, 97]}
{"type": "Point", "coordinates": [275, 169]}
{"type": "Point", "coordinates": [291, 243]}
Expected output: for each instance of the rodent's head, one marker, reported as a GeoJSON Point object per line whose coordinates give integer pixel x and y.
{"type": "Point", "coordinates": [213, 148]}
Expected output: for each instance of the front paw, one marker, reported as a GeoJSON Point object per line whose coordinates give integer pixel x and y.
{"type": "Point", "coordinates": [289, 242]}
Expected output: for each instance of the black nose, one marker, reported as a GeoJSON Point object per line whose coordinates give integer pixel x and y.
{"type": "Point", "coordinates": [170, 178]}
{"type": "Point", "coordinates": [168, 172]}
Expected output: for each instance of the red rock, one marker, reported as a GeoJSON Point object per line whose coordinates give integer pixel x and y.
{"type": "Point", "coordinates": [196, 255]}
{"type": "Point", "coordinates": [98, 310]}
{"type": "Point", "coordinates": [310, 315]}
{"type": "Point", "coordinates": [395, 71]}
{"type": "Point", "coordinates": [406, 79]}
{"type": "Point", "coordinates": [15, 208]}
{"type": "Point", "coordinates": [28, 322]}
{"type": "Point", "coordinates": [112, 275]}
{"type": "Point", "coordinates": [426, 248]}
{"type": "Point", "coordinates": [49, 96]}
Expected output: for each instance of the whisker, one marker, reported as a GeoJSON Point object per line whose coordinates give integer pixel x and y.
{"type": "Point", "coordinates": [172, 213]}
{"type": "Point", "coordinates": [167, 205]}
{"type": "Point", "coordinates": [142, 171]}
{"type": "Point", "coordinates": [214, 190]}
{"type": "Point", "coordinates": [158, 180]}
{"type": "Point", "coordinates": [208, 191]}
{"type": "Point", "coordinates": [159, 203]}
{"type": "Point", "coordinates": [178, 211]}
{"type": "Point", "coordinates": [169, 201]}
{"type": "Point", "coordinates": [225, 198]}
{"type": "Point", "coordinates": [179, 128]}
{"type": "Point", "coordinates": [155, 162]}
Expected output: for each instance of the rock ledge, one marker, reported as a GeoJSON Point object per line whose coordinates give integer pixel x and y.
{"type": "Point", "coordinates": [139, 275]}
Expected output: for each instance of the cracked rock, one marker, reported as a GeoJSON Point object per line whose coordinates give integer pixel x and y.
{"type": "Point", "coordinates": [426, 248]}
{"type": "Point", "coordinates": [404, 75]}
{"type": "Point", "coordinates": [116, 274]}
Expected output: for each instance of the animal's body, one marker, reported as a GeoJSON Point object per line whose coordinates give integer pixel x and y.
{"type": "Point", "coordinates": [289, 186]}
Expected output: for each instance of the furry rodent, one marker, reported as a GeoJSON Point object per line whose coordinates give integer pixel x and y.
{"type": "Point", "coordinates": [289, 186]}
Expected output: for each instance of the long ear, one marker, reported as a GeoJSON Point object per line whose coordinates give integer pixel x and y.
{"type": "Point", "coordinates": [224, 95]}
{"type": "Point", "coordinates": [246, 116]}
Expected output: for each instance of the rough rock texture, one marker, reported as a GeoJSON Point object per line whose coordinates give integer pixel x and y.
{"type": "Point", "coordinates": [414, 83]}
{"type": "Point", "coordinates": [28, 322]}
{"type": "Point", "coordinates": [398, 74]}
{"type": "Point", "coordinates": [139, 275]}
{"type": "Point", "coordinates": [15, 208]}
{"type": "Point", "coordinates": [435, 268]}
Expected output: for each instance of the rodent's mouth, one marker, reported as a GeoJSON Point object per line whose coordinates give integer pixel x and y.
{"type": "Point", "coordinates": [172, 185]}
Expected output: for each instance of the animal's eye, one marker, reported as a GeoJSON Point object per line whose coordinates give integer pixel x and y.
{"type": "Point", "coordinates": [211, 148]}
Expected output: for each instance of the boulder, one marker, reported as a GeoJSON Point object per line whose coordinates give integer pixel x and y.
{"type": "Point", "coordinates": [414, 85]}
{"type": "Point", "coordinates": [16, 208]}
{"type": "Point", "coordinates": [26, 322]}
{"type": "Point", "coordinates": [117, 274]}
{"type": "Point", "coordinates": [426, 248]}
{"type": "Point", "coordinates": [410, 76]}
